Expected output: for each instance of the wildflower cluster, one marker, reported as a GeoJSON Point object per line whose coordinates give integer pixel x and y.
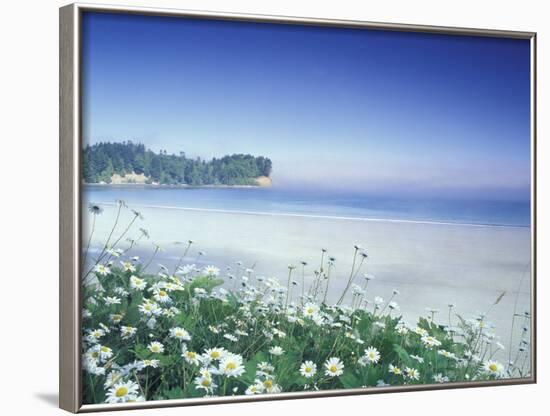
{"type": "Point", "coordinates": [192, 332]}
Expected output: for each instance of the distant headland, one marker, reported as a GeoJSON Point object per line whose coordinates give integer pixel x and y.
{"type": "Point", "coordinates": [123, 163]}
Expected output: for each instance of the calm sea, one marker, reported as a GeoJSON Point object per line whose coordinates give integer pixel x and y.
{"type": "Point", "coordinates": [310, 203]}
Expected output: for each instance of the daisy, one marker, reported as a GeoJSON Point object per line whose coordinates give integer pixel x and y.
{"type": "Point", "coordinates": [420, 331]}
{"type": "Point", "coordinates": [122, 392]}
{"type": "Point", "coordinates": [412, 373]}
{"type": "Point", "coordinates": [372, 355]}
{"type": "Point", "coordinates": [94, 335]}
{"type": "Point", "coordinates": [310, 310]}
{"type": "Point", "coordinates": [276, 351]}
{"type": "Point", "coordinates": [156, 347]}
{"type": "Point", "coordinates": [417, 358]}
{"type": "Point", "coordinates": [256, 388]}
{"type": "Point", "coordinates": [334, 367]}
{"type": "Point", "coordinates": [150, 363]}
{"type": "Point", "coordinates": [102, 270]}
{"type": "Point", "coordinates": [271, 387]}
{"type": "Point", "coordinates": [447, 354]}
{"type": "Point", "coordinates": [231, 365]}
{"type": "Point", "coordinates": [493, 368]}
{"type": "Point", "coordinates": [402, 329]}
{"type": "Point", "coordinates": [215, 353]}
{"type": "Point", "coordinates": [188, 268]}
{"type": "Point", "coordinates": [265, 369]}
{"type": "Point", "coordinates": [149, 308]}
{"type": "Point", "coordinates": [430, 341]}
{"type": "Point", "coordinates": [112, 300]}
{"type": "Point", "coordinates": [211, 271]}
{"type": "Point", "coordinates": [137, 283]}
{"type": "Point", "coordinates": [394, 370]}
{"type": "Point", "coordinates": [105, 352]}
{"type": "Point", "coordinates": [190, 356]}
{"type": "Point", "coordinates": [230, 337]}
{"type": "Point", "coordinates": [116, 318]}
{"type": "Point", "coordinates": [308, 369]}
{"type": "Point", "coordinates": [180, 333]}
{"type": "Point", "coordinates": [128, 266]}
{"type": "Point", "coordinates": [127, 331]}
{"type": "Point", "coordinates": [205, 383]}
{"type": "Point", "coordinates": [161, 296]}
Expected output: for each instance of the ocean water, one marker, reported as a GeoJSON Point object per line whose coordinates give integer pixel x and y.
{"type": "Point", "coordinates": [314, 203]}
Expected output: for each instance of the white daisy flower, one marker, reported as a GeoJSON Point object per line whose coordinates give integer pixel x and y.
{"type": "Point", "coordinates": [137, 283]}
{"type": "Point", "coordinates": [205, 382]}
{"type": "Point", "coordinates": [161, 296]}
{"type": "Point", "coordinates": [215, 354]}
{"type": "Point", "coordinates": [102, 270]}
{"type": "Point", "coordinates": [180, 334]}
{"type": "Point", "coordinates": [372, 355]}
{"type": "Point", "coordinates": [334, 367]}
{"type": "Point", "coordinates": [156, 347]}
{"type": "Point", "coordinates": [270, 386]}
{"type": "Point", "coordinates": [112, 300]}
{"type": "Point", "coordinates": [430, 341]}
{"type": "Point", "coordinates": [493, 368]}
{"type": "Point", "coordinates": [127, 331]}
{"type": "Point", "coordinates": [394, 370]}
{"type": "Point", "coordinates": [276, 351]}
{"type": "Point", "coordinates": [150, 308]}
{"type": "Point", "coordinates": [231, 365]}
{"type": "Point", "coordinates": [128, 266]}
{"type": "Point", "coordinates": [150, 363]}
{"type": "Point", "coordinates": [308, 369]}
{"type": "Point", "coordinates": [190, 356]}
{"type": "Point", "coordinates": [122, 392]}
{"type": "Point", "coordinates": [310, 310]}
{"type": "Point", "coordinates": [211, 271]}
{"type": "Point", "coordinates": [412, 373]}
{"type": "Point", "coordinates": [256, 388]}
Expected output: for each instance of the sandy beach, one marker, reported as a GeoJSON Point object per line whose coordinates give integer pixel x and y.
{"type": "Point", "coordinates": [431, 264]}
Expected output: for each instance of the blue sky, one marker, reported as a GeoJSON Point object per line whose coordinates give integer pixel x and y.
{"type": "Point", "coordinates": [366, 110]}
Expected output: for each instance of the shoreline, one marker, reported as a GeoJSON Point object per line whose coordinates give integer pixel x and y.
{"type": "Point", "coordinates": [178, 186]}
{"type": "Point", "coordinates": [320, 216]}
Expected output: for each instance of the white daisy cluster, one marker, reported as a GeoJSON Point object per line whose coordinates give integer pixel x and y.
{"type": "Point", "coordinates": [194, 330]}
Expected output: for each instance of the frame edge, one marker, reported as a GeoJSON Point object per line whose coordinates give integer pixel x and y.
{"type": "Point", "coordinates": [69, 391]}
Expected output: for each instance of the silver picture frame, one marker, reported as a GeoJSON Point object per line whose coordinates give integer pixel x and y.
{"type": "Point", "coordinates": [70, 221]}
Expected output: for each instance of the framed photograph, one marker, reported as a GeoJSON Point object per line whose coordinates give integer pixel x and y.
{"type": "Point", "coordinates": [259, 208]}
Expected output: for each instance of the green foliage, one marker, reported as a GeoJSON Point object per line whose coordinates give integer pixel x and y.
{"type": "Point", "coordinates": [102, 160]}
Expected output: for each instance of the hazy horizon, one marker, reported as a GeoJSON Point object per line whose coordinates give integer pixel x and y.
{"type": "Point", "coordinates": [349, 109]}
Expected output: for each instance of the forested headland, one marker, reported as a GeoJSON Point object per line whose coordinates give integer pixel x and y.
{"type": "Point", "coordinates": [104, 161]}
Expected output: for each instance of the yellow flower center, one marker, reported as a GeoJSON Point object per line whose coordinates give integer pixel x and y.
{"type": "Point", "coordinates": [215, 354]}
{"type": "Point", "coordinates": [95, 354]}
{"type": "Point", "coordinates": [104, 349]}
{"type": "Point", "coordinates": [155, 348]}
{"type": "Point", "coordinates": [493, 367]}
{"type": "Point", "coordinates": [162, 293]}
{"type": "Point", "coordinates": [121, 391]}
{"type": "Point", "coordinates": [333, 368]}
{"type": "Point", "coordinates": [231, 366]}
{"type": "Point", "coordinates": [191, 354]}
{"type": "Point", "coordinates": [308, 370]}
{"type": "Point", "coordinates": [205, 382]}
{"type": "Point", "coordinates": [268, 384]}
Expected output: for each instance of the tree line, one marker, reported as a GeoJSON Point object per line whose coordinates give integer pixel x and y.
{"type": "Point", "coordinates": [102, 160]}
